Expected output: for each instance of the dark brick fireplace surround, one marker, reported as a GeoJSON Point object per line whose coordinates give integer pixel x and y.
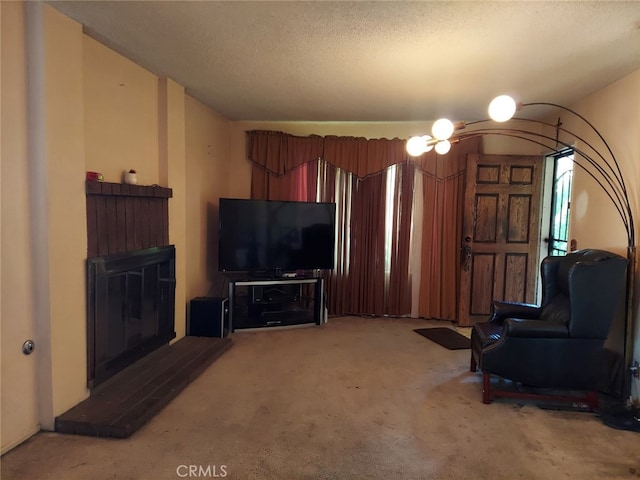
{"type": "Point", "coordinates": [130, 276]}
{"type": "Point", "coordinates": [132, 370]}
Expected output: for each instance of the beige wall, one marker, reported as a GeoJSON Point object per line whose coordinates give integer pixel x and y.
{"type": "Point", "coordinates": [355, 129]}
{"type": "Point", "coordinates": [208, 178]}
{"type": "Point", "coordinates": [173, 173]}
{"type": "Point", "coordinates": [121, 115]}
{"type": "Point", "coordinates": [66, 238]}
{"type": "Point", "coordinates": [19, 409]}
{"type": "Point", "coordinates": [615, 112]}
{"type": "Point", "coordinates": [45, 234]}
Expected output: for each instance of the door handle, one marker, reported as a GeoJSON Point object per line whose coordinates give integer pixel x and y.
{"type": "Point", "coordinates": [467, 253]}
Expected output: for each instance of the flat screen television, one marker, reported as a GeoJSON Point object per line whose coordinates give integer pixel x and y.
{"type": "Point", "coordinates": [274, 237]}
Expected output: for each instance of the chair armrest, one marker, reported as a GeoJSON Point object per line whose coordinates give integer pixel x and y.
{"type": "Point", "coordinates": [519, 327]}
{"type": "Point", "coordinates": [503, 310]}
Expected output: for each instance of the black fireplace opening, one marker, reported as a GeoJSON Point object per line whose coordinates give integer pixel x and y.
{"type": "Point", "coordinates": [130, 308]}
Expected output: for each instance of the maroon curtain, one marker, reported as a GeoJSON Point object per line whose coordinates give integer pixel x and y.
{"type": "Point", "coordinates": [299, 183]}
{"type": "Point", "coordinates": [277, 153]}
{"type": "Point", "coordinates": [366, 259]}
{"type": "Point", "coordinates": [443, 209]}
{"type": "Point", "coordinates": [399, 294]}
{"type": "Point", "coordinates": [372, 273]}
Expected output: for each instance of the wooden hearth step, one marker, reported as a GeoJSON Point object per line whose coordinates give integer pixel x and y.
{"type": "Point", "coordinates": [127, 401]}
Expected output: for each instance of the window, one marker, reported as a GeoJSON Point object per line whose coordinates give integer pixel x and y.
{"type": "Point", "coordinates": [560, 203]}
{"type": "Point", "coordinates": [389, 216]}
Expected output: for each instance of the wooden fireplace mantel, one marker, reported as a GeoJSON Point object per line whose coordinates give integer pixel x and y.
{"type": "Point", "coordinates": [124, 190]}
{"type": "Point", "coordinates": [122, 218]}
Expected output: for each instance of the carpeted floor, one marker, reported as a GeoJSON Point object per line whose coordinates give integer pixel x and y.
{"type": "Point", "coordinates": [358, 398]}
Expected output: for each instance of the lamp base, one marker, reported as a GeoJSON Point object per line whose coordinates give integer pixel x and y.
{"type": "Point", "coordinates": [620, 417]}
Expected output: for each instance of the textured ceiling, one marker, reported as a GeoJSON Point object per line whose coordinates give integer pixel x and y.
{"type": "Point", "coordinates": [370, 61]}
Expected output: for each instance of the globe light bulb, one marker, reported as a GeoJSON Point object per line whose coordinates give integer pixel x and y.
{"type": "Point", "coordinates": [443, 147]}
{"type": "Point", "coordinates": [442, 129]}
{"type": "Point", "coordinates": [502, 108]}
{"type": "Point", "coordinates": [416, 146]}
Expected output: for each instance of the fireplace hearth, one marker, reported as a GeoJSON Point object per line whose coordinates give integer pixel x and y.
{"type": "Point", "coordinates": [132, 370]}
{"type": "Point", "coordinates": [131, 300]}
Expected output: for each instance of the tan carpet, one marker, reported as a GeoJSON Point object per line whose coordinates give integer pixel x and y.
{"type": "Point", "coordinates": [358, 398]}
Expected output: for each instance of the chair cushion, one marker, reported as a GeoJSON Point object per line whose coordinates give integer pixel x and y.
{"type": "Point", "coordinates": [557, 310]}
{"type": "Point", "coordinates": [487, 333]}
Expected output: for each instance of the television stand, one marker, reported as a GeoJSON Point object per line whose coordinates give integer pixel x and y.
{"type": "Point", "coordinates": [275, 302]}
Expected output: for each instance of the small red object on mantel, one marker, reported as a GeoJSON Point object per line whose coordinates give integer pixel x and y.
{"type": "Point", "coordinates": [94, 177]}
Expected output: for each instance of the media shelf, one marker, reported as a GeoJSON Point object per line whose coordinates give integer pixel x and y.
{"type": "Point", "coordinates": [277, 302]}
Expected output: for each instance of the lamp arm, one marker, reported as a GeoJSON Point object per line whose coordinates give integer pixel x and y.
{"type": "Point", "coordinates": [595, 130]}
{"type": "Point", "coordinates": [619, 208]}
{"type": "Point", "coordinates": [615, 172]}
{"type": "Point", "coordinates": [616, 182]}
{"type": "Point", "coordinates": [610, 178]}
{"type": "Point", "coordinates": [617, 197]}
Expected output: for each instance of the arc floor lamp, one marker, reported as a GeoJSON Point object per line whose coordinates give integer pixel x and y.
{"type": "Point", "coordinates": [596, 158]}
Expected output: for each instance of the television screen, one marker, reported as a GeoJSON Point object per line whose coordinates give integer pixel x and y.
{"type": "Point", "coordinates": [275, 236]}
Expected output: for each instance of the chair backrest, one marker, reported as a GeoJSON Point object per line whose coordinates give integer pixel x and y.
{"type": "Point", "coordinates": [584, 290]}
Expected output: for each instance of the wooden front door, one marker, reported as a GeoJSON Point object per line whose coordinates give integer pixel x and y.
{"type": "Point", "coordinates": [500, 233]}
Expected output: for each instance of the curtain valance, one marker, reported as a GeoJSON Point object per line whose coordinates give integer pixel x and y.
{"type": "Point", "coordinates": [279, 152]}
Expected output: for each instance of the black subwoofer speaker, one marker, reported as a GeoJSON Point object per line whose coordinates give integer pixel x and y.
{"type": "Point", "coordinates": [208, 317]}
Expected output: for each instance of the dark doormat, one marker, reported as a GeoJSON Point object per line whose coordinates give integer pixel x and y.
{"type": "Point", "coordinates": [445, 337]}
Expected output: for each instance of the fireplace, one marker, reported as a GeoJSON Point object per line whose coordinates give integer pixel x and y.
{"type": "Point", "coordinates": [131, 300]}
{"type": "Point", "coordinates": [131, 275]}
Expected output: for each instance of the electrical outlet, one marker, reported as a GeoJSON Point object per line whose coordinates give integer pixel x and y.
{"type": "Point", "coordinates": [635, 369]}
